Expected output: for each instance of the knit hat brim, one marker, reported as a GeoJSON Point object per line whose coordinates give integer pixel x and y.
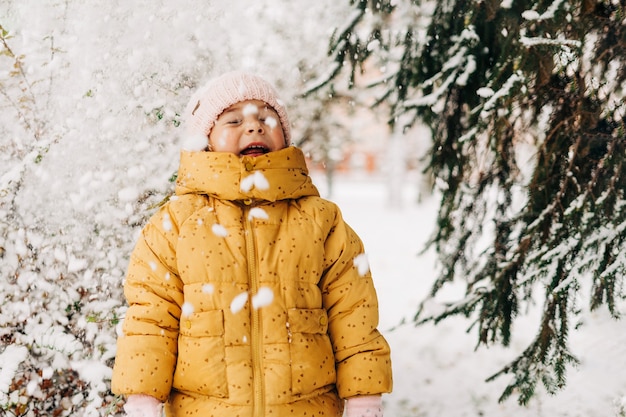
{"type": "Point", "coordinates": [209, 102]}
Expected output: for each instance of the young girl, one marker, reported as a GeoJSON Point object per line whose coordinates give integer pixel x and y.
{"type": "Point", "coordinates": [248, 294]}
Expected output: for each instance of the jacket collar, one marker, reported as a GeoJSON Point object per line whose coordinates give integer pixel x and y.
{"type": "Point", "coordinates": [271, 177]}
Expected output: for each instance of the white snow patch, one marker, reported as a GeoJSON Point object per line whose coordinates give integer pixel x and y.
{"type": "Point", "coordinates": [219, 230]}
{"type": "Point", "coordinates": [257, 213]}
{"type": "Point", "coordinates": [238, 302]}
{"type": "Point", "coordinates": [470, 67]}
{"type": "Point", "coordinates": [257, 180]}
{"type": "Point", "coordinates": [187, 309]}
{"type": "Point", "coordinates": [533, 15]}
{"type": "Point", "coordinates": [208, 288]}
{"type": "Point", "coordinates": [128, 194]}
{"type": "Point", "coordinates": [485, 92]}
{"type": "Point", "coordinates": [10, 360]}
{"type": "Point", "coordinates": [95, 373]}
{"type": "Point", "coordinates": [167, 223]}
{"type": "Point", "coordinates": [47, 373]}
{"type": "Point", "coordinates": [362, 264]}
{"type": "Point", "coordinates": [271, 122]}
{"type": "Point", "coordinates": [32, 387]}
{"type": "Point", "coordinates": [528, 42]}
{"type": "Point", "coordinates": [76, 265]}
{"type": "Point", "coordinates": [513, 80]}
{"type": "Point", "coordinates": [56, 340]}
{"type": "Point", "coordinates": [250, 109]}
{"type": "Point", "coordinates": [262, 298]}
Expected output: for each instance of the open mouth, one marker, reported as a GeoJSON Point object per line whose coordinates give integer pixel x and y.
{"type": "Point", "coordinates": [255, 150]}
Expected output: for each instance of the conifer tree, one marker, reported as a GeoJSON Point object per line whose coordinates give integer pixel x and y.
{"type": "Point", "coordinates": [525, 101]}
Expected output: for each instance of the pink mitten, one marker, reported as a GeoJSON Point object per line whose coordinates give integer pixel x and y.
{"type": "Point", "coordinates": [364, 406]}
{"type": "Point", "coordinates": [140, 405]}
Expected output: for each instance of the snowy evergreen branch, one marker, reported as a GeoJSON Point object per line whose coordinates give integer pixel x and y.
{"type": "Point", "coordinates": [492, 80]}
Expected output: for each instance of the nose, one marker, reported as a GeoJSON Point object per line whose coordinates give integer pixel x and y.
{"type": "Point", "coordinates": [254, 125]}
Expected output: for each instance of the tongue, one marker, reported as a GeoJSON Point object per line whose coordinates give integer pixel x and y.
{"type": "Point", "coordinates": [253, 151]}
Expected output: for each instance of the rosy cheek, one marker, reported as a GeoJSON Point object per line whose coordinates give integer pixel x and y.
{"type": "Point", "coordinates": [223, 139]}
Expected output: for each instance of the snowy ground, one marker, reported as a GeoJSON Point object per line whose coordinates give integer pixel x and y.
{"type": "Point", "coordinates": [437, 371]}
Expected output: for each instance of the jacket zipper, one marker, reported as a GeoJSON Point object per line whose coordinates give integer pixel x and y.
{"type": "Point", "coordinates": [255, 316]}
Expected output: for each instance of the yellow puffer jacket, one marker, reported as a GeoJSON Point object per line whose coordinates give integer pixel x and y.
{"type": "Point", "coordinates": [245, 298]}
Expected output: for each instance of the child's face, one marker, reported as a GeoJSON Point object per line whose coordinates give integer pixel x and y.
{"type": "Point", "coordinates": [249, 127]}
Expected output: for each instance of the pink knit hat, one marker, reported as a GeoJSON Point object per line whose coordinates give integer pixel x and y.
{"type": "Point", "coordinates": [217, 95]}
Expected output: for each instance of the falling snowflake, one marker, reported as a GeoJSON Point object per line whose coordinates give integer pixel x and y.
{"type": "Point", "coordinates": [208, 288]}
{"type": "Point", "coordinates": [167, 223]}
{"type": "Point", "coordinates": [153, 265]}
{"type": "Point", "coordinates": [247, 183]}
{"type": "Point", "coordinates": [219, 230]}
{"type": "Point", "coordinates": [362, 264]}
{"type": "Point", "coordinates": [167, 276]}
{"type": "Point", "coordinates": [187, 308]}
{"type": "Point", "coordinates": [238, 302]}
{"type": "Point", "coordinates": [262, 298]}
{"type": "Point", "coordinates": [271, 122]}
{"type": "Point", "coordinates": [256, 180]}
{"type": "Point", "coordinates": [250, 109]}
{"type": "Point", "coordinates": [257, 213]}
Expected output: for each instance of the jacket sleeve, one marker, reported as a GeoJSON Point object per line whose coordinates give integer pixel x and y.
{"type": "Point", "coordinates": [362, 354]}
{"type": "Point", "coordinates": [147, 349]}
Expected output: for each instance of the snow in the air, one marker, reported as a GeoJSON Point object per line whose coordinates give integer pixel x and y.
{"type": "Point", "coordinates": [115, 62]}
{"type": "Point", "coordinates": [167, 223]}
{"type": "Point", "coordinates": [262, 298]}
{"type": "Point", "coordinates": [271, 122]}
{"type": "Point", "coordinates": [219, 230]}
{"type": "Point", "coordinates": [187, 309]}
{"type": "Point", "coordinates": [238, 302]}
{"type": "Point", "coordinates": [362, 264]}
{"type": "Point", "coordinates": [208, 288]}
{"type": "Point", "coordinates": [255, 180]}
{"type": "Point", "coordinates": [258, 213]}
{"type": "Point", "coordinates": [250, 109]}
